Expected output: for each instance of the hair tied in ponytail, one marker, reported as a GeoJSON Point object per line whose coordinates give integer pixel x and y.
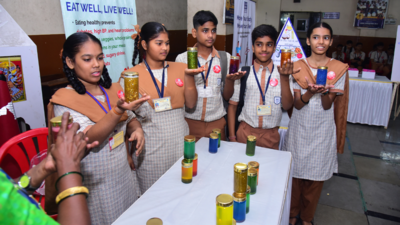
{"type": "Point", "coordinates": [133, 36]}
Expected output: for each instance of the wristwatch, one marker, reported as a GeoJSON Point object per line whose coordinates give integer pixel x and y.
{"type": "Point", "coordinates": [25, 183]}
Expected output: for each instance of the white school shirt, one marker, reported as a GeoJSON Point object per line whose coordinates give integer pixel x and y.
{"type": "Point", "coordinates": [378, 57]}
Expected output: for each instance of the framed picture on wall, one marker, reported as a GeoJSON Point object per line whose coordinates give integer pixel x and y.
{"type": "Point", "coordinates": [11, 68]}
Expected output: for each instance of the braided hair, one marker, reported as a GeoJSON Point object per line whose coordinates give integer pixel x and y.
{"type": "Point", "coordinates": [70, 49]}
{"type": "Point", "coordinates": [149, 31]}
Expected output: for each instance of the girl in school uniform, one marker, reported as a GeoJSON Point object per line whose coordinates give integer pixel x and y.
{"type": "Point", "coordinates": [92, 100]}
{"type": "Point", "coordinates": [164, 126]}
{"type": "Point", "coordinates": [316, 129]}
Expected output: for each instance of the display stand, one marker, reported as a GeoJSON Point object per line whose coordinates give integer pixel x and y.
{"type": "Point", "coordinates": [395, 98]}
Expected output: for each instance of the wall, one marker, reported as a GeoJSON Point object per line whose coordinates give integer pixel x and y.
{"type": "Point", "coordinates": [268, 12]}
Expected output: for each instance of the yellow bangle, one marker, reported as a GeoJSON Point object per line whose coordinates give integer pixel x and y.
{"type": "Point", "coordinates": [71, 191]}
{"type": "Point", "coordinates": [115, 111]}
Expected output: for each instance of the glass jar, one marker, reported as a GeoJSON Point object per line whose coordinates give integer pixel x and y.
{"type": "Point", "coordinates": [240, 178]}
{"type": "Point", "coordinates": [189, 147]}
{"type": "Point", "coordinates": [218, 131]}
{"type": "Point", "coordinates": [192, 58]}
{"type": "Point", "coordinates": [224, 209]}
{"type": "Point", "coordinates": [248, 199]}
{"type": "Point", "coordinates": [154, 221]}
{"type": "Point", "coordinates": [255, 165]}
{"type": "Point", "coordinates": [251, 145]}
{"type": "Point", "coordinates": [252, 180]}
{"type": "Point", "coordinates": [55, 123]}
{"type": "Point", "coordinates": [131, 86]}
{"type": "Point", "coordinates": [286, 54]}
{"type": "Point", "coordinates": [322, 73]}
{"type": "Point", "coordinates": [187, 171]}
{"type": "Point", "coordinates": [239, 207]}
{"type": "Point", "coordinates": [213, 146]}
{"type": "Point", "coordinates": [234, 64]}
{"type": "Point", "coordinates": [195, 165]}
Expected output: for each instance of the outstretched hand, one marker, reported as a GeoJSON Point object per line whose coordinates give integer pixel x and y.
{"type": "Point", "coordinates": [235, 76]}
{"type": "Point", "coordinates": [133, 106]}
{"type": "Point", "coordinates": [288, 68]}
{"type": "Point", "coordinates": [192, 72]}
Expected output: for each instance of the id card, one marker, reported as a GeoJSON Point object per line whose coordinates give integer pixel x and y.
{"type": "Point", "coordinates": [263, 110]}
{"type": "Point", "coordinates": [116, 140]}
{"type": "Point", "coordinates": [162, 104]}
{"type": "Point", "coordinates": [204, 92]}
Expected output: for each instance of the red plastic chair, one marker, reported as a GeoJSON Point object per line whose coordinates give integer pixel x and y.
{"type": "Point", "coordinates": [16, 154]}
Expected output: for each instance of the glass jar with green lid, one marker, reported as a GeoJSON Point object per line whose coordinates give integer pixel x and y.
{"type": "Point", "coordinates": [251, 145]}
{"type": "Point", "coordinates": [192, 58]}
{"type": "Point", "coordinates": [224, 209]}
{"type": "Point", "coordinates": [252, 180]}
{"type": "Point", "coordinates": [189, 147]}
{"type": "Point", "coordinates": [240, 177]}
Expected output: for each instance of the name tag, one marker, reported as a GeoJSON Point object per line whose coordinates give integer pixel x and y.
{"type": "Point", "coordinates": [116, 140]}
{"type": "Point", "coordinates": [264, 110]}
{"type": "Point", "coordinates": [162, 104]}
{"type": "Point", "coordinates": [205, 92]}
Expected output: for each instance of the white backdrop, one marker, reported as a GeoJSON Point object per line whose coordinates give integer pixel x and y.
{"type": "Point", "coordinates": [244, 21]}
{"type": "Point", "coordinates": [396, 66]}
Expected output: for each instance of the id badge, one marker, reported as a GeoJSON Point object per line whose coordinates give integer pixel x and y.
{"type": "Point", "coordinates": [204, 92]}
{"type": "Point", "coordinates": [263, 110]}
{"type": "Point", "coordinates": [162, 104]}
{"type": "Point", "coordinates": [116, 140]}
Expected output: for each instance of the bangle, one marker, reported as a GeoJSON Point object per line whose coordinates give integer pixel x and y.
{"type": "Point", "coordinates": [301, 98]}
{"type": "Point", "coordinates": [325, 93]}
{"type": "Point", "coordinates": [232, 137]}
{"type": "Point", "coordinates": [71, 192]}
{"type": "Point", "coordinates": [115, 111]}
{"type": "Point", "coordinates": [65, 174]}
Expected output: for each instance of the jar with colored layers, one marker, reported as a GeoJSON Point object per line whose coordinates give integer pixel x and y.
{"type": "Point", "coordinates": [187, 171]}
{"type": "Point", "coordinates": [131, 85]}
{"type": "Point", "coordinates": [322, 73]}
{"type": "Point", "coordinates": [248, 199]}
{"type": "Point", "coordinates": [192, 58]}
{"type": "Point", "coordinates": [239, 207]}
{"type": "Point", "coordinates": [240, 178]}
{"type": "Point", "coordinates": [286, 54]}
{"type": "Point", "coordinates": [195, 165]}
{"type": "Point", "coordinates": [213, 146]}
{"type": "Point", "coordinates": [218, 131]}
{"type": "Point", "coordinates": [55, 123]}
{"type": "Point", "coordinates": [224, 209]}
{"type": "Point", "coordinates": [189, 147]}
{"type": "Point", "coordinates": [255, 165]}
{"type": "Point", "coordinates": [252, 180]}
{"type": "Point", "coordinates": [154, 221]}
{"type": "Point", "coordinates": [234, 64]}
{"type": "Point", "coordinates": [251, 145]}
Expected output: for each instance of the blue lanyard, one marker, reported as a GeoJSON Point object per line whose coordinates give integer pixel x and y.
{"type": "Point", "coordinates": [208, 72]}
{"type": "Point", "coordinates": [97, 101]}
{"type": "Point", "coordinates": [160, 93]}
{"type": "Point", "coordinates": [258, 83]}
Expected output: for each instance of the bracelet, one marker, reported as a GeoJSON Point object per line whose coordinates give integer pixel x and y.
{"type": "Point", "coordinates": [71, 192]}
{"type": "Point", "coordinates": [115, 111]}
{"type": "Point", "coordinates": [233, 137]}
{"type": "Point", "coordinates": [65, 174]}
{"type": "Point", "coordinates": [325, 93]}
{"type": "Point", "coordinates": [301, 98]}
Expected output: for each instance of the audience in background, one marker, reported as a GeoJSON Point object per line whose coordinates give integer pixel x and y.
{"type": "Point", "coordinates": [347, 50]}
{"type": "Point", "coordinates": [338, 54]}
{"type": "Point", "coordinates": [357, 57]}
{"type": "Point", "coordinates": [378, 59]}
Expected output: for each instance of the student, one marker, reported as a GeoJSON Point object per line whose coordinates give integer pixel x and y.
{"type": "Point", "coordinates": [357, 57]}
{"type": "Point", "coordinates": [92, 100]}
{"type": "Point", "coordinates": [212, 87]}
{"type": "Point", "coordinates": [379, 59]}
{"type": "Point", "coordinates": [338, 54]}
{"type": "Point", "coordinates": [262, 110]}
{"type": "Point", "coordinates": [165, 129]}
{"type": "Point", "coordinates": [347, 50]}
{"type": "Point", "coordinates": [314, 136]}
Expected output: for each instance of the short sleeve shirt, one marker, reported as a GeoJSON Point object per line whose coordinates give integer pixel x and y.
{"type": "Point", "coordinates": [379, 57]}
{"type": "Point", "coordinates": [354, 55]}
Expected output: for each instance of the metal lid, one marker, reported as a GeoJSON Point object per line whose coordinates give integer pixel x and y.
{"type": "Point", "coordinates": [214, 136]}
{"type": "Point", "coordinates": [187, 162]}
{"type": "Point", "coordinates": [286, 50]}
{"type": "Point", "coordinates": [224, 200]}
{"type": "Point", "coordinates": [239, 197]}
{"type": "Point", "coordinates": [234, 57]}
{"type": "Point", "coordinates": [216, 130]}
{"type": "Point", "coordinates": [253, 164]}
{"type": "Point", "coordinates": [190, 138]}
{"type": "Point", "coordinates": [195, 156]}
{"type": "Point", "coordinates": [56, 121]}
{"type": "Point", "coordinates": [252, 172]}
{"type": "Point", "coordinates": [322, 67]}
{"type": "Point", "coordinates": [154, 221]}
{"type": "Point", "coordinates": [131, 73]}
{"type": "Point", "coordinates": [240, 167]}
{"type": "Point", "coordinates": [248, 190]}
{"type": "Point", "coordinates": [192, 48]}
{"type": "Point", "coordinates": [251, 138]}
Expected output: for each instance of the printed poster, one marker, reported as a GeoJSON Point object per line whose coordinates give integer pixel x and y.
{"type": "Point", "coordinates": [111, 22]}
{"type": "Point", "coordinates": [229, 11]}
{"type": "Point", "coordinates": [371, 13]}
{"type": "Point", "coordinates": [11, 68]}
{"type": "Point", "coordinates": [288, 40]}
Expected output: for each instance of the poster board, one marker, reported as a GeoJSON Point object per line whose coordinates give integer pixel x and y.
{"type": "Point", "coordinates": [371, 13]}
{"type": "Point", "coordinates": [229, 11]}
{"type": "Point", "coordinates": [396, 58]}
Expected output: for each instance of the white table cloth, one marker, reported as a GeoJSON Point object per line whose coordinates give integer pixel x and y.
{"type": "Point", "coordinates": [177, 203]}
{"type": "Point", "coordinates": [369, 101]}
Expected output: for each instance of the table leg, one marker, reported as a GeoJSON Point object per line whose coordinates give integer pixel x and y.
{"type": "Point", "coordinates": [396, 85]}
{"type": "Point", "coordinates": [397, 110]}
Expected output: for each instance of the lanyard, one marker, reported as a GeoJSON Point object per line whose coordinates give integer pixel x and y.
{"type": "Point", "coordinates": [258, 83]}
{"type": "Point", "coordinates": [208, 72]}
{"type": "Point", "coordinates": [160, 93]}
{"type": "Point", "coordinates": [97, 101]}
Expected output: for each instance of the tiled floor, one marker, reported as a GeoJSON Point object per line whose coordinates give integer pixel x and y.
{"type": "Point", "coordinates": [371, 194]}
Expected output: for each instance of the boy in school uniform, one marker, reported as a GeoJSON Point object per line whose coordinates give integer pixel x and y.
{"type": "Point", "coordinates": [214, 84]}
{"type": "Point", "coordinates": [266, 92]}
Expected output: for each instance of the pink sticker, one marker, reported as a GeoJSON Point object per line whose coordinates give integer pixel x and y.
{"type": "Point", "coordinates": [121, 94]}
{"type": "Point", "coordinates": [273, 82]}
{"type": "Point", "coordinates": [217, 69]}
{"type": "Point", "coordinates": [331, 75]}
{"type": "Point", "coordinates": [179, 82]}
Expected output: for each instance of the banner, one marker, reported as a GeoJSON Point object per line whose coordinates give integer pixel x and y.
{"type": "Point", "coordinates": [229, 12]}
{"type": "Point", "coordinates": [288, 40]}
{"type": "Point", "coordinates": [371, 13]}
{"type": "Point", "coordinates": [11, 68]}
{"type": "Point", "coordinates": [396, 58]}
{"type": "Point", "coordinates": [244, 21]}
{"type": "Point", "coordinates": [111, 22]}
